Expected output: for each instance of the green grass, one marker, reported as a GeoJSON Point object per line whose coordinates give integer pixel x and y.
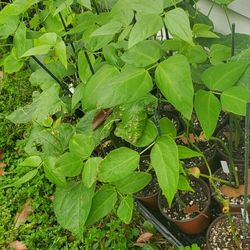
{"type": "Point", "coordinates": [41, 230]}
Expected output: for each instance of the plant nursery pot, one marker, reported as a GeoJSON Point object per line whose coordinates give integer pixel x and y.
{"type": "Point", "coordinates": [235, 203]}
{"type": "Point", "coordinates": [148, 195]}
{"type": "Point", "coordinates": [219, 235]}
{"type": "Point", "coordinates": [197, 222]}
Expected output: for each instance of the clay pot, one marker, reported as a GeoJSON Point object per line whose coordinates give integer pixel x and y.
{"type": "Point", "coordinates": [196, 224]}
{"type": "Point", "coordinates": [232, 207]}
{"type": "Point", "coordinates": [150, 202]}
{"type": "Point", "coordinates": [211, 233]}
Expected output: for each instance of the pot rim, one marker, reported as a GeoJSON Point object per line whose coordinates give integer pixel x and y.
{"type": "Point", "coordinates": [214, 222]}
{"type": "Point", "coordinates": [197, 216]}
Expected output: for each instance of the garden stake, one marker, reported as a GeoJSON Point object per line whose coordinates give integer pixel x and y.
{"type": "Point", "coordinates": [62, 84]}
{"type": "Point", "coordinates": [247, 134]}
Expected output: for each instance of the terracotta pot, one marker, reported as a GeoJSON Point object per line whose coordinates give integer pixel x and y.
{"type": "Point", "coordinates": [223, 230]}
{"type": "Point", "coordinates": [232, 207]}
{"type": "Point", "coordinates": [193, 225]}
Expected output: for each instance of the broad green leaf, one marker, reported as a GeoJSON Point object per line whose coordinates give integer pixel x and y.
{"type": "Point", "coordinates": [83, 66]}
{"type": "Point", "coordinates": [186, 153]}
{"type": "Point", "coordinates": [103, 203]}
{"type": "Point", "coordinates": [167, 127]}
{"type": "Point", "coordinates": [144, 29]}
{"type": "Point", "coordinates": [148, 6]}
{"type": "Point", "coordinates": [203, 30]}
{"type": "Point", "coordinates": [61, 53]}
{"type": "Point", "coordinates": [109, 88]}
{"type": "Point", "coordinates": [53, 174]}
{"type": "Point", "coordinates": [77, 95]}
{"type": "Point", "coordinates": [183, 184]}
{"type": "Point", "coordinates": [125, 209]}
{"type": "Point", "coordinates": [90, 171]}
{"type": "Point", "coordinates": [149, 134]}
{"type": "Point", "coordinates": [39, 50]}
{"type": "Point", "coordinates": [196, 54]}
{"type": "Point", "coordinates": [165, 160]}
{"type": "Point", "coordinates": [178, 25]}
{"type": "Point", "coordinates": [169, 3]}
{"type": "Point", "coordinates": [27, 177]}
{"type": "Point", "coordinates": [223, 76]}
{"type": "Point", "coordinates": [110, 28]}
{"type": "Point", "coordinates": [20, 42]}
{"type": "Point", "coordinates": [219, 53]}
{"type": "Point", "coordinates": [235, 99]}
{"type": "Point", "coordinates": [72, 205]}
{"type": "Point", "coordinates": [62, 5]}
{"type": "Point", "coordinates": [118, 164]}
{"type": "Point", "coordinates": [69, 164]}
{"type": "Point", "coordinates": [111, 55]}
{"type": "Point", "coordinates": [223, 2]}
{"type": "Point", "coordinates": [173, 78]}
{"type": "Point", "coordinates": [8, 25]}
{"type": "Point", "coordinates": [82, 145]}
{"type": "Point", "coordinates": [143, 53]}
{"type": "Point", "coordinates": [207, 108]}
{"type": "Point", "coordinates": [18, 7]}
{"type": "Point", "coordinates": [12, 64]}
{"type": "Point", "coordinates": [31, 161]}
{"type": "Point", "coordinates": [48, 38]}
{"type": "Point", "coordinates": [133, 182]}
{"type": "Point", "coordinates": [85, 3]}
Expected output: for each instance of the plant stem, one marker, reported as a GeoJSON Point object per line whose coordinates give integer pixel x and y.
{"type": "Point", "coordinates": [148, 147]}
{"type": "Point", "coordinates": [225, 10]}
{"type": "Point", "coordinates": [232, 169]}
{"type": "Point", "coordinates": [232, 226]}
{"type": "Point", "coordinates": [96, 8]}
{"type": "Point", "coordinates": [156, 118]}
{"type": "Point", "coordinates": [215, 179]}
{"type": "Point", "coordinates": [247, 146]}
{"type": "Point", "coordinates": [62, 84]}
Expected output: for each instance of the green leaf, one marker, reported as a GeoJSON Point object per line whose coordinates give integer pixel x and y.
{"type": "Point", "coordinates": [82, 145]}
{"type": "Point", "coordinates": [196, 54]}
{"type": "Point", "coordinates": [207, 108]}
{"type": "Point", "coordinates": [102, 204]}
{"type": "Point", "coordinates": [203, 30]}
{"type": "Point", "coordinates": [83, 66]}
{"type": "Point", "coordinates": [39, 50]}
{"type": "Point", "coordinates": [148, 6]}
{"type": "Point", "coordinates": [109, 28]}
{"type": "Point", "coordinates": [235, 99]}
{"type": "Point", "coordinates": [144, 29]}
{"type": "Point", "coordinates": [77, 95]}
{"type": "Point", "coordinates": [223, 2]}
{"type": "Point", "coordinates": [143, 53]}
{"type": "Point", "coordinates": [118, 164]}
{"type": "Point", "coordinates": [165, 160]}
{"type": "Point", "coordinates": [85, 3]}
{"type": "Point", "coordinates": [223, 76]}
{"type": "Point", "coordinates": [167, 127]}
{"type": "Point", "coordinates": [125, 209]}
{"type": "Point", "coordinates": [178, 25]}
{"type": "Point", "coordinates": [183, 184]}
{"type": "Point", "coordinates": [72, 205]}
{"type": "Point", "coordinates": [133, 182]}
{"type": "Point", "coordinates": [69, 164]}
{"type": "Point", "coordinates": [52, 173]}
{"type": "Point", "coordinates": [61, 53]}
{"type": "Point", "coordinates": [173, 78]}
{"type": "Point", "coordinates": [32, 161]}
{"type": "Point", "coordinates": [62, 5]}
{"type": "Point", "coordinates": [48, 38]}
{"type": "Point", "coordinates": [20, 42]}
{"type": "Point", "coordinates": [187, 153]}
{"type": "Point", "coordinates": [219, 53]}
{"type": "Point", "coordinates": [109, 88]}
{"type": "Point", "coordinates": [149, 134]}
{"type": "Point", "coordinates": [90, 171]}
{"type": "Point", "coordinates": [12, 64]}
{"type": "Point", "coordinates": [27, 177]}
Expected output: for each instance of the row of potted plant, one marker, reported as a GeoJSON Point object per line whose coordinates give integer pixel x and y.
{"type": "Point", "coordinates": [110, 92]}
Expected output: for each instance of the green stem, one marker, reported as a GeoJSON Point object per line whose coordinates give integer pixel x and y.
{"type": "Point", "coordinates": [148, 147]}
{"type": "Point", "coordinates": [233, 229]}
{"type": "Point", "coordinates": [226, 13]}
{"type": "Point", "coordinates": [215, 179]}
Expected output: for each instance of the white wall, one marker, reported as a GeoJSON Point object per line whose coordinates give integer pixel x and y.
{"type": "Point", "coordinates": [238, 12]}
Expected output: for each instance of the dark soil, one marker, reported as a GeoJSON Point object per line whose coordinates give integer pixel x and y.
{"type": "Point", "coordinates": [221, 237]}
{"type": "Point", "coordinates": [153, 187]}
{"type": "Point", "coordinates": [198, 197]}
{"type": "Point", "coordinates": [221, 174]}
